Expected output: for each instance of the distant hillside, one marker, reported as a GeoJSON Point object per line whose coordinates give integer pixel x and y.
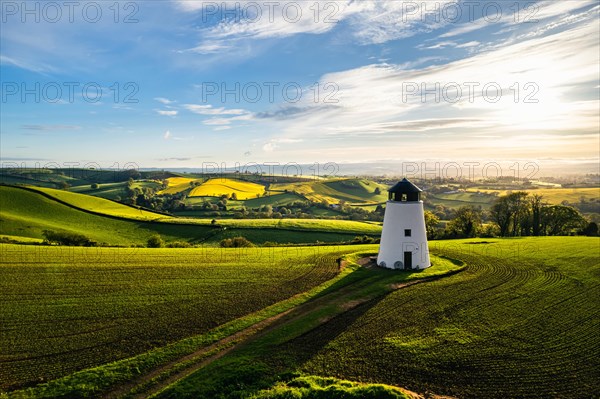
{"type": "Point", "coordinates": [60, 178]}
{"type": "Point", "coordinates": [114, 191]}
{"type": "Point", "coordinates": [27, 213]}
{"type": "Point", "coordinates": [354, 191]}
{"type": "Point", "coordinates": [350, 190]}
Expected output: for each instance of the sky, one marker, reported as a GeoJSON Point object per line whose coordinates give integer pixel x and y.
{"type": "Point", "coordinates": [177, 83]}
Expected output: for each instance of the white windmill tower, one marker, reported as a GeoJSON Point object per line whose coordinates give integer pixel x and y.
{"type": "Point", "coordinates": [404, 237]}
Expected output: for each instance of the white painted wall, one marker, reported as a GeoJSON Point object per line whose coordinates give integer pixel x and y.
{"type": "Point", "coordinates": [399, 216]}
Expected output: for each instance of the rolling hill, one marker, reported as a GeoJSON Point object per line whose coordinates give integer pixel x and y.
{"type": "Point", "coordinates": [27, 212]}
{"type": "Point", "coordinates": [100, 205]}
{"type": "Point", "coordinates": [114, 191]}
{"type": "Point", "coordinates": [354, 191]}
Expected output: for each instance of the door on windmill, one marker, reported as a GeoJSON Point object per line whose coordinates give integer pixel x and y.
{"type": "Point", "coordinates": [407, 260]}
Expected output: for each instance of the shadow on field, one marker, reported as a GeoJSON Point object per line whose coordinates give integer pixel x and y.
{"type": "Point", "coordinates": [279, 352]}
{"type": "Point", "coordinates": [296, 351]}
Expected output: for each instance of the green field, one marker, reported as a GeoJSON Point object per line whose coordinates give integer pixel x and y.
{"type": "Point", "coordinates": [313, 225]}
{"type": "Point", "coordinates": [457, 200]}
{"type": "Point", "coordinates": [106, 190]}
{"type": "Point", "coordinates": [64, 309]}
{"type": "Point", "coordinates": [113, 191]}
{"type": "Point", "coordinates": [100, 205]}
{"type": "Point", "coordinates": [83, 307]}
{"type": "Point", "coordinates": [281, 199]}
{"type": "Point", "coordinates": [554, 195]}
{"type": "Point", "coordinates": [520, 321]}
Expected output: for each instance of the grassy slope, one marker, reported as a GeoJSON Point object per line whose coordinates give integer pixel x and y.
{"type": "Point", "coordinates": [27, 214]}
{"type": "Point", "coordinates": [274, 200]}
{"type": "Point", "coordinates": [349, 190]}
{"type": "Point", "coordinates": [73, 176]}
{"type": "Point", "coordinates": [9, 179]}
{"type": "Point", "coordinates": [100, 205]}
{"type": "Point", "coordinates": [522, 321]}
{"type": "Point", "coordinates": [106, 190]}
{"type": "Point", "coordinates": [40, 177]}
{"type": "Point", "coordinates": [332, 191]}
{"type": "Point", "coordinates": [113, 191]}
{"type": "Point", "coordinates": [359, 190]}
{"type": "Point", "coordinates": [68, 308]}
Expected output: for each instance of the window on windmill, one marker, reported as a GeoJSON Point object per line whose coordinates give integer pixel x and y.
{"type": "Point", "coordinates": [404, 198]}
{"type": "Point", "coordinates": [407, 232]}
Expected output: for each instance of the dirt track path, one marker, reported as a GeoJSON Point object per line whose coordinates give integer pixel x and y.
{"type": "Point", "coordinates": [344, 299]}
{"type": "Point", "coordinates": [197, 360]}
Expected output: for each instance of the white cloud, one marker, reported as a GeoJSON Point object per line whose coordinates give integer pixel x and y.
{"type": "Point", "coordinates": [169, 136]}
{"type": "Point", "coordinates": [50, 127]}
{"type": "Point", "coordinates": [287, 140]}
{"type": "Point", "coordinates": [166, 112]}
{"type": "Point", "coordinates": [530, 14]}
{"type": "Point", "coordinates": [552, 69]}
{"type": "Point", "coordinates": [274, 143]}
{"type": "Point", "coordinates": [163, 100]}
{"type": "Point", "coordinates": [468, 44]}
{"type": "Point", "coordinates": [269, 147]}
{"type": "Point", "coordinates": [217, 121]}
{"type": "Point", "coordinates": [445, 44]}
{"type": "Point", "coordinates": [219, 116]}
{"type": "Point", "coordinates": [209, 110]}
{"type": "Point", "coordinates": [209, 48]}
{"type": "Point", "coordinates": [41, 68]}
{"type": "Point", "coordinates": [466, 28]}
{"type": "Point", "coordinates": [369, 21]}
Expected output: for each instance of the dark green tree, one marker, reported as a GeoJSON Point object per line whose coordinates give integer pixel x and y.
{"type": "Point", "coordinates": [431, 222]}
{"type": "Point", "coordinates": [466, 223]}
{"type": "Point", "coordinates": [561, 220]}
{"type": "Point", "coordinates": [155, 241]}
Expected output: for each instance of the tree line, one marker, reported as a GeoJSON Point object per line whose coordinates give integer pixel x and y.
{"type": "Point", "coordinates": [513, 215]}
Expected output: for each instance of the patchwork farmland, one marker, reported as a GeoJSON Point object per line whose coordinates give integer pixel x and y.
{"type": "Point", "coordinates": [299, 310]}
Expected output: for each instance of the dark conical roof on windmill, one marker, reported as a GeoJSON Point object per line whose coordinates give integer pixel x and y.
{"type": "Point", "coordinates": [405, 191]}
{"type": "Point", "coordinates": [404, 187]}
